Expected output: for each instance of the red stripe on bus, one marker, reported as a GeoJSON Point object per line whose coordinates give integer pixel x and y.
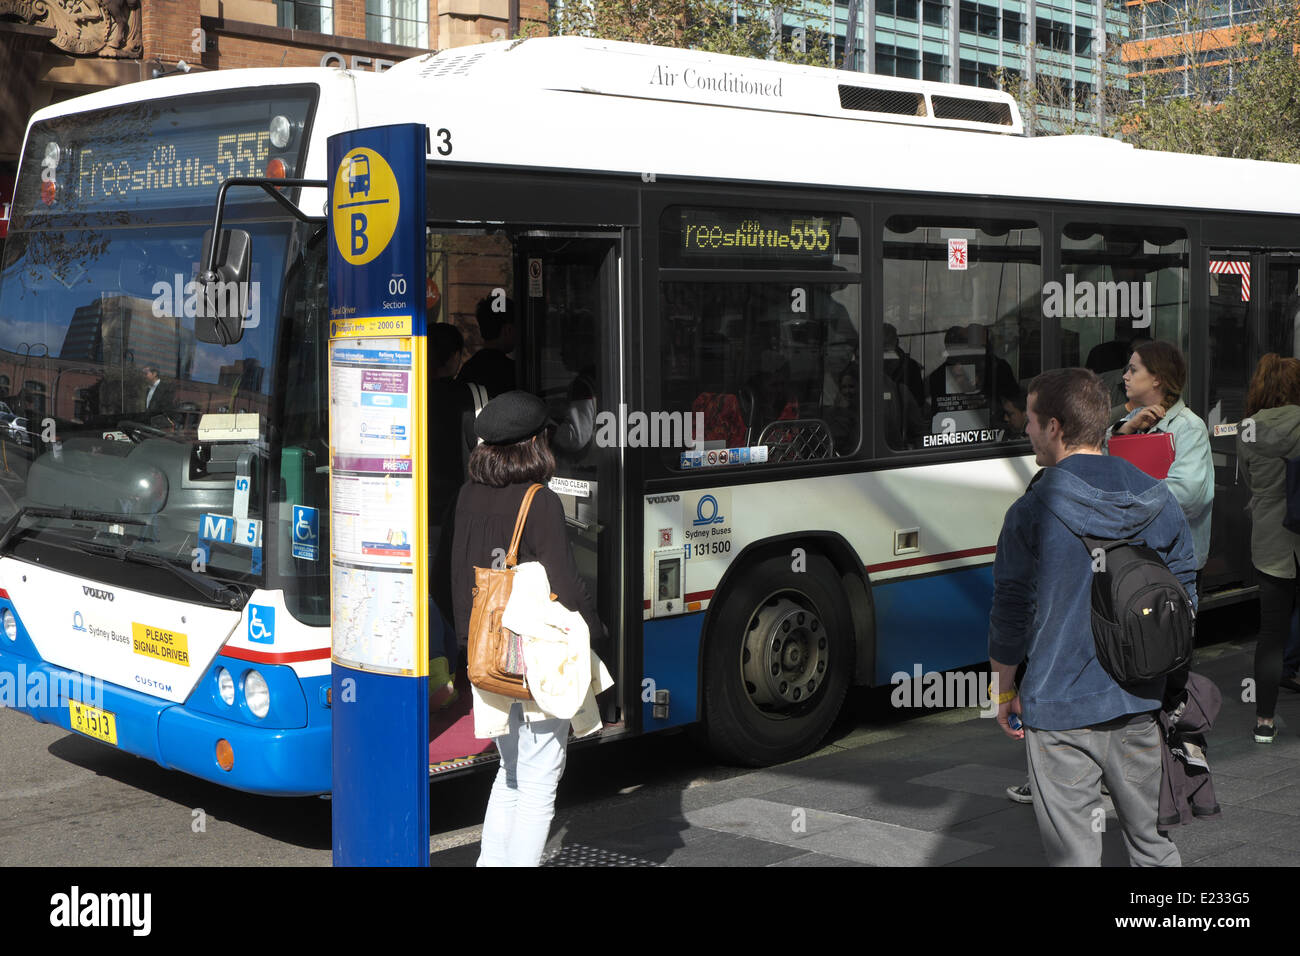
{"type": "Point", "coordinates": [931, 559]}
{"type": "Point", "coordinates": [887, 566]}
{"type": "Point", "coordinates": [289, 657]}
{"type": "Point", "coordinates": [4, 594]}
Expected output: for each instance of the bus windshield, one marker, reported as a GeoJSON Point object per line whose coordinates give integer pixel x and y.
{"type": "Point", "coordinates": [114, 407]}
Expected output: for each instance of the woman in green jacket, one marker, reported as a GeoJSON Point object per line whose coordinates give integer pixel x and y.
{"type": "Point", "coordinates": [1266, 438]}
{"type": "Point", "coordinates": [1154, 380]}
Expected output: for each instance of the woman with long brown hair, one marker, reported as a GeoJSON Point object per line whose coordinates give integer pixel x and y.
{"type": "Point", "coordinates": [515, 455]}
{"type": "Point", "coordinates": [1266, 438]}
{"type": "Point", "coordinates": [1154, 380]}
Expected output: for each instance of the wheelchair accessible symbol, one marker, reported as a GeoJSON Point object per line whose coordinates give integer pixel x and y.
{"type": "Point", "coordinates": [306, 533]}
{"type": "Point", "coordinates": [261, 624]}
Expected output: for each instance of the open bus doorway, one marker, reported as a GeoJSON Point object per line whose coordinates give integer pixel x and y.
{"type": "Point", "coordinates": [561, 292]}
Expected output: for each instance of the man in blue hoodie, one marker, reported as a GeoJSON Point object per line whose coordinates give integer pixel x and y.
{"type": "Point", "coordinates": [1081, 727]}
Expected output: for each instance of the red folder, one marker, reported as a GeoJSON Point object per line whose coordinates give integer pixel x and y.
{"type": "Point", "coordinates": [1152, 452]}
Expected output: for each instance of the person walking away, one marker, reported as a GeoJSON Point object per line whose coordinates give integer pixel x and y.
{"type": "Point", "coordinates": [1080, 726]}
{"type": "Point", "coordinates": [515, 455]}
{"type": "Point", "coordinates": [1267, 436]}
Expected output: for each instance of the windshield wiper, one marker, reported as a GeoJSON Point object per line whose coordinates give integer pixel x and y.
{"type": "Point", "coordinates": [68, 513]}
{"type": "Point", "coordinates": [214, 591]}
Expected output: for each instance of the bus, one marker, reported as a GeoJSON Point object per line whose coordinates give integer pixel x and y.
{"type": "Point", "coordinates": [844, 280]}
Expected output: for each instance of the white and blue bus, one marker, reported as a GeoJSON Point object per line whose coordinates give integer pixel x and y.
{"type": "Point", "coordinates": [846, 279]}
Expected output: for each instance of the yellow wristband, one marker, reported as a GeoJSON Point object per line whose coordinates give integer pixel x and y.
{"type": "Point", "coordinates": [1006, 696]}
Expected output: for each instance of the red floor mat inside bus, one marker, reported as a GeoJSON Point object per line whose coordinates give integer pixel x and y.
{"type": "Point", "coordinates": [451, 731]}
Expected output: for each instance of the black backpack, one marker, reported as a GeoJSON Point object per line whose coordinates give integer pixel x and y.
{"type": "Point", "coordinates": [1143, 624]}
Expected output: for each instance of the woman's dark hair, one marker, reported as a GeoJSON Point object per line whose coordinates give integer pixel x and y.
{"type": "Point", "coordinates": [1276, 382]}
{"type": "Point", "coordinates": [522, 463]}
{"type": "Point", "coordinates": [445, 341]}
{"type": "Point", "coordinates": [1165, 362]}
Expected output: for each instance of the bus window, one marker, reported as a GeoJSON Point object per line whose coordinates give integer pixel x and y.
{"type": "Point", "coordinates": [759, 373]}
{"type": "Point", "coordinates": [1121, 284]}
{"type": "Point", "coordinates": [961, 333]}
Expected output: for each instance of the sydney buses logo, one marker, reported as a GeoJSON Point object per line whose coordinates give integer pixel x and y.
{"type": "Point", "coordinates": [366, 206]}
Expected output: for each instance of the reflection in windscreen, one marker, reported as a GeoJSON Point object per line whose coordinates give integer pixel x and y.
{"type": "Point", "coordinates": [104, 387]}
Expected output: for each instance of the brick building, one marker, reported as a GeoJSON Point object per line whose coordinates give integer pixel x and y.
{"type": "Point", "coordinates": [52, 50]}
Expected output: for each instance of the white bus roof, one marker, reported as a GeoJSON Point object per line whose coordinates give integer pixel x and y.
{"type": "Point", "coordinates": [582, 104]}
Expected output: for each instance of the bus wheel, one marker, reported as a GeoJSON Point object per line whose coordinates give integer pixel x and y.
{"type": "Point", "coordinates": [778, 661]}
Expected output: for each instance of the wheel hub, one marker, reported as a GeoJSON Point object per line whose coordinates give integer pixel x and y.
{"type": "Point", "coordinates": [785, 654]}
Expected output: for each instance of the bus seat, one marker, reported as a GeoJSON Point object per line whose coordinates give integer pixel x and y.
{"type": "Point", "coordinates": [722, 417]}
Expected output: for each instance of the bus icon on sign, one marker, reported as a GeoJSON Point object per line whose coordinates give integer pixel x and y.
{"type": "Point", "coordinates": [358, 176]}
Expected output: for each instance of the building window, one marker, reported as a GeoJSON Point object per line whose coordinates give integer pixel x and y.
{"type": "Point", "coordinates": [979, 18]}
{"type": "Point", "coordinates": [1083, 41]}
{"type": "Point", "coordinates": [404, 22]}
{"type": "Point", "coordinates": [978, 74]}
{"type": "Point", "coordinates": [306, 15]}
{"type": "Point", "coordinates": [905, 9]}
{"type": "Point", "coordinates": [898, 61]}
{"type": "Point", "coordinates": [935, 67]}
{"type": "Point", "coordinates": [935, 12]}
{"type": "Point", "coordinates": [1053, 35]}
{"type": "Point", "coordinates": [1013, 25]}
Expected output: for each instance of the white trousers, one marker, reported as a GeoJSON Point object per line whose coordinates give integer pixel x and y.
{"type": "Point", "coordinates": [519, 812]}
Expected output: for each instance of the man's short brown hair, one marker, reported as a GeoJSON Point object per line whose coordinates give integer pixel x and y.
{"type": "Point", "coordinates": [1078, 399]}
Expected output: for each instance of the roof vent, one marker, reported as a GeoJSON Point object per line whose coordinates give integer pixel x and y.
{"type": "Point", "coordinates": [971, 111]}
{"type": "Point", "coordinates": [444, 65]}
{"type": "Point", "coordinates": [873, 100]}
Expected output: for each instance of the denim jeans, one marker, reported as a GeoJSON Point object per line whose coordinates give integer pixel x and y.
{"type": "Point", "coordinates": [522, 804]}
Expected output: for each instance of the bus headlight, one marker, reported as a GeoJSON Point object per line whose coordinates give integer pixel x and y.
{"type": "Point", "coordinates": [10, 623]}
{"type": "Point", "coordinates": [257, 694]}
{"type": "Point", "coordinates": [281, 131]}
{"type": "Point", "coordinates": [226, 686]}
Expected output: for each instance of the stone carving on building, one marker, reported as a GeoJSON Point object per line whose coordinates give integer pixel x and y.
{"type": "Point", "coordinates": [107, 28]}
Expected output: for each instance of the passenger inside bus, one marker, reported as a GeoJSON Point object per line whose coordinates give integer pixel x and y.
{"type": "Point", "coordinates": [491, 366]}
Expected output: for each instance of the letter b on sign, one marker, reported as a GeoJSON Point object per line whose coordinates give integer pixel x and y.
{"type": "Point", "coordinates": [359, 241]}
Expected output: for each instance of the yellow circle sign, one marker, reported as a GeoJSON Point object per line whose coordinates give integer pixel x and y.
{"type": "Point", "coordinates": [366, 204]}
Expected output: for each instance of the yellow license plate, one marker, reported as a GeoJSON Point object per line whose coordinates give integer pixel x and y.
{"type": "Point", "coordinates": [93, 722]}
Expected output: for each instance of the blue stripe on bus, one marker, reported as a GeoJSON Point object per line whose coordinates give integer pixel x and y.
{"type": "Point", "coordinates": [940, 622]}
{"type": "Point", "coordinates": [672, 660]}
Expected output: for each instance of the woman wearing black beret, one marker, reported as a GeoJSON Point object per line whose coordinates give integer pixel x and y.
{"type": "Point", "coordinates": [514, 455]}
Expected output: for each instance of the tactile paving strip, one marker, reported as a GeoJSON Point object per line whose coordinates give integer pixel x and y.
{"type": "Point", "coordinates": [578, 854]}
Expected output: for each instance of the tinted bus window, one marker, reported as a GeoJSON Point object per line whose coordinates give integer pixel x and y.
{"type": "Point", "coordinates": [771, 369]}
{"type": "Point", "coordinates": [1121, 285]}
{"type": "Point", "coordinates": [962, 330]}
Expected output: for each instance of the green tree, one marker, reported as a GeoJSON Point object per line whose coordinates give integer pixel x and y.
{"type": "Point", "coordinates": [1219, 89]}
{"type": "Point", "coordinates": [748, 28]}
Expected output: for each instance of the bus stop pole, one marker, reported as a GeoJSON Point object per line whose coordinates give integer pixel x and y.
{"type": "Point", "coordinates": [378, 521]}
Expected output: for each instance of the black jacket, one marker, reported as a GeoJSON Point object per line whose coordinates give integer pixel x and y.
{"type": "Point", "coordinates": [484, 519]}
{"type": "Point", "coordinates": [1186, 788]}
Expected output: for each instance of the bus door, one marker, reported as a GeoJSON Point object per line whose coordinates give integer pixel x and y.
{"type": "Point", "coordinates": [1254, 307]}
{"type": "Point", "coordinates": [567, 287]}
{"type": "Point", "coordinates": [1234, 337]}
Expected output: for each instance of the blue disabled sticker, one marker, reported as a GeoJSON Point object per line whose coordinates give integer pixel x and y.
{"type": "Point", "coordinates": [261, 624]}
{"type": "Point", "coordinates": [306, 533]}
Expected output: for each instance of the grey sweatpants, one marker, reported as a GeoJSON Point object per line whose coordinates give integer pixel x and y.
{"type": "Point", "coordinates": [1066, 768]}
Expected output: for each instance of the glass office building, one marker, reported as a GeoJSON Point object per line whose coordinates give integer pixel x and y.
{"type": "Point", "coordinates": [966, 41]}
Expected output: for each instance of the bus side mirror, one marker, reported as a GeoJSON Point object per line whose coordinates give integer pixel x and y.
{"type": "Point", "coordinates": [224, 291]}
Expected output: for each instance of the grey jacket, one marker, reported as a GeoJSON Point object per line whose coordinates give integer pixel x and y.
{"type": "Point", "coordinates": [1273, 549]}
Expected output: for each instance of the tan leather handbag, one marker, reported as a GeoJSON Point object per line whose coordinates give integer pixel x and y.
{"type": "Point", "coordinates": [496, 658]}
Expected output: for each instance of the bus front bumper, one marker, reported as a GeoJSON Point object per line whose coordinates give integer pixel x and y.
{"type": "Point", "coordinates": [275, 762]}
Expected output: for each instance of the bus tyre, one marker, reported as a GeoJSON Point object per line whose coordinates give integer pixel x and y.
{"type": "Point", "coordinates": [778, 660]}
